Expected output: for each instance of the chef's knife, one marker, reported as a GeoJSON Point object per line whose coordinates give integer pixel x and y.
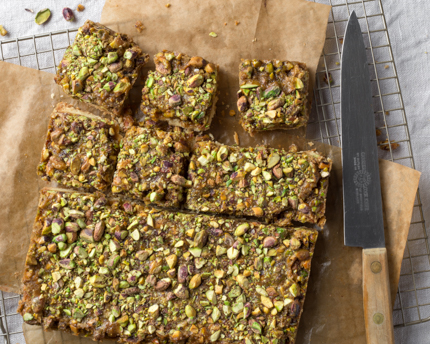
{"type": "Point", "coordinates": [363, 222]}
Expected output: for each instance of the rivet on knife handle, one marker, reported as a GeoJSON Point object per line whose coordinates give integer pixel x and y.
{"type": "Point", "coordinates": [377, 297]}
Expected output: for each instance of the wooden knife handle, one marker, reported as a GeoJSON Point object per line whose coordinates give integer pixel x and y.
{"type": "Point", "coordinates": [378, 313]}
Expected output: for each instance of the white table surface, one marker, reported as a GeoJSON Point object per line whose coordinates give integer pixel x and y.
{"type": "Point", "coordinates": [408, 27]}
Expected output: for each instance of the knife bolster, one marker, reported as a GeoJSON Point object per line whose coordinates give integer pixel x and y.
{"type": "Point", "coordinates": [377, 297]}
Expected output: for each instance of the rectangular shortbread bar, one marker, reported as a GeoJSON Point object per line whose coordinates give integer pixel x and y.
{"type": "Point", "coordinates": [109, 269]}
{"type": "Point", "coordinates": [263, 182]}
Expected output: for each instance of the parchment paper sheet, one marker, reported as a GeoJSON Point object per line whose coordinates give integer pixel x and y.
{"type": "Point", "coordinates": [292, 29]}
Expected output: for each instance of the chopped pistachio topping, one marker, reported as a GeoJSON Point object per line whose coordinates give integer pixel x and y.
{"type": "Point", "coordinates": [275, 183]}
{"type": "Point", "coordinates": [182, 91]}
{"type": "Point", "coordinates": [79, 151]}
{"type": "Point", "coordinates": [273, 95]}
{"type": "Point", "coordinates": [151, 166]}
{"type": "Point", "coordinates": [100, 67]}
{"type": "Point", "coordinates": [136, 290]}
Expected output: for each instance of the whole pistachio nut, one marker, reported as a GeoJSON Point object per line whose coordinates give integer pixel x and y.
{"type": "Point", "coordinates": [115, 67]}
{"type": "Point", "coordinates": [68, 14]}
{"type": "Point", "coordinates": [57, 225]}
{"type": "Point", "coordinates": [163, 284]}
{"type": "Point", "coordinates": [42, 16]}
{"type": "Point", "coordinates": [67, 264]}
{"type": "Point", "coordinates": [181, 292]}
{"type": "Point", "coordinates": [60, 238]}
{"type": "Point", "coordinates": [195, 281]}
{"type": "Point", "coordinates": [242, 104]}
{"type": "Point", "coordinates": [195, 81]}
{"type": "Point", "coordinates": [99, 230]}
{"type": "Point", "coordinates": [175, 100]}
{"type": "Point", "coordinates": [87, 235]}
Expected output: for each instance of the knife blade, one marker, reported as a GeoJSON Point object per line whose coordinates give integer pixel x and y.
{"type": "Point", "coordinates": [363, 217]}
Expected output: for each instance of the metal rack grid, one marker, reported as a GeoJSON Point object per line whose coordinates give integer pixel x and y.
{"type": "Point", "coordinates": [44, 51]}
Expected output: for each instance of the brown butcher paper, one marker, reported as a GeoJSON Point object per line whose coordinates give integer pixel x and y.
{"type": "Point", "coordinates": [283, 29]}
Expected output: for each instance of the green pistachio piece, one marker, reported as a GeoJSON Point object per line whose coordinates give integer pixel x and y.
{"type": "Point", "coordinates": [241, 229]}
{"type": "Point", "coordinates": [150, 81]}
{"type": "Point", "coordinates": [215, 336]}
{"type": "Point", "coordinates": [112, 57]}
{"type": "Point", "coordinates": [122, 87]}
{"type": "Point", "coordinates": [42, 16]}
{"type": "Point", "coordinates": [250, 86]}
{"type": "Point", "coordinates": [211, 296]}
{"type": "Point", "coordinates": [294, 290]}
{"type": "Point", "coordinates": [216, 314]}
{"type": "Point", "coordinates": [298, 84]}
{"type": "Point", "coordinates": [190, 311]}
{"type": "Point", "coordinates": [83, 73]}
{"type": "Point", "coordinates": [97, 281]}
{"type": "Point", "coordinates": [76, 51]}
{"type": "Point", "coordinates": [27, 317]}
{"type": "Point", "coordinates": [195, 81]}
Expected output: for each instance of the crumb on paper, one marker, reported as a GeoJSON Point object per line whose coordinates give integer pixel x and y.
{"type": "Point", "coordinates": [236, 23]}
{"type": "Point", "coordinates": [225, 23]}
{"type": "Point", "coordinates": [337, 63]}
{"type": "Point", "coordinates": [29, 10]}
{"type": "Point", "coordinates": [222, 113]}
{"type": "Point", "coordinates": [168, 5]}
{"type": "Point", "coordinates": [311, 144]}
{"type": "Point", "coordinates": [378, 132]}
{"type": "Point", "coordinates": [80, 8]}
{"type": "Point", "coordinates": [387, 113]}
{"type": "Point", "coordinates": [232, 113]}
{"type": "Point", "coordinates": [270, 48]}
{"type": "Point", "coordinates": [254, 40]}
{"type": "Point", "coordinates": [213, 34]}
{"type": "Point", "coordinates": [385, 146]}
{"type": "Point", "coordinates": [52, 95]}
{"type": "Point", "coordinates": [139, 26]}
{"type": "Point", "coordinates": [341, 40]}
{"type": "Point", "coordinates": [236, 138]}
{"type": "Point", "coordinates": [386, 66]}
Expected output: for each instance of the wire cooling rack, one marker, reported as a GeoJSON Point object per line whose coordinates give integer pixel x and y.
{"type": "Point", "coordinates": [44, 52]}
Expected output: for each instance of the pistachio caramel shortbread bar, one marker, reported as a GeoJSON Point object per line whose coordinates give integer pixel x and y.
{"type": "Point", "coordinates": [80, 150]}
{"type": "Point", "coordinates": [273, 95]}
{"type": "Point", "coordinates": [263, 182]}
{"type": "Point", "coordinates": [182, 91]}
{"type": "Point", "coordinates": [100, 67]}
{"type": "Point", "coordinates": [111, 269]}
{"type": "Point", "coordinates": [151, 166]}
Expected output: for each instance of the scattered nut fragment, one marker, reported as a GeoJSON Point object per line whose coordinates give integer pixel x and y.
{"type": "Point", "coordinates": [139, 26]}
{"type": "Point", "coordinates": [386, 66]}
{"type": "Point", "coordinates": [236, 138]}
{"type": "Point", "coordinates": [378, 132]}
{"type": "Point", "coordinates": [328, 79]}
{"type": "Point", "coordinates": [3, 31]}
{"type": "Point", "coordinates": [341, 40]}
{"type": "Point", "coordinates": [213, 34]}
{"type": "Point", "coordinates": [236, 23]}
{"type": "Point", "coordinates": [29, 10]}
{"type": "Point", "coordinates": [42, 16]}
{"type": "Point", "coordinates": [68, 14]}
{"type": "Point", "coordinates": [385, 146]}
{"type": "Point", "coordinates": [387, 113]}
{"type": "Point", "coordinates": [232, 113]}
{"type": "Point", "coordinates": [80, 8]}
{"type": "Point", "coordinates": [168, 5]}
